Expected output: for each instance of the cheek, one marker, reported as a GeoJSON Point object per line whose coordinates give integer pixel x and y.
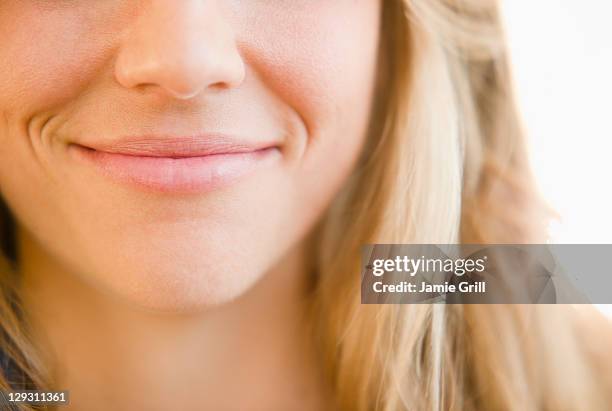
{"type": "Point", "coordinates": [48, 56]}
{"type": "Point", "coordinates": [321, 61]}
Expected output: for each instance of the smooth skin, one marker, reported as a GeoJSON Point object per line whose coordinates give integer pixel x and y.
{"type": "Point", "coordinates": [157, 301]}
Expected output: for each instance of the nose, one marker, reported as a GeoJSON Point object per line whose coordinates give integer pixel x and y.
{"type": "Point", "coordinates": [180, 48]}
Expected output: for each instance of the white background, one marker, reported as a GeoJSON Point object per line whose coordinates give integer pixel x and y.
{"type": "Point", "coordinates": [562, 56]}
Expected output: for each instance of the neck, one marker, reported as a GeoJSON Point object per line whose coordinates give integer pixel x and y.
{"type": "Point", "coordinates": [252, 353]}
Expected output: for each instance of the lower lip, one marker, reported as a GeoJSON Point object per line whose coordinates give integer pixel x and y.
{"type": "Point", "coordinates": [176, 175]}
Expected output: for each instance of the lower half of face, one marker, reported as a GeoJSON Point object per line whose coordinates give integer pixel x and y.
{"type": "Point", "coordinates": [181, 244]}
{"type": "Point", "coordinates": [169, 251]}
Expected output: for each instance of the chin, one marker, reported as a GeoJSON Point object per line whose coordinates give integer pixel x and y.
{"type": "Point", "coordinates": [181, 287]}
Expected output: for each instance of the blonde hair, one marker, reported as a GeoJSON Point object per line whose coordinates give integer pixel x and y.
{"type": "Point", "coordinates": [445, 163]}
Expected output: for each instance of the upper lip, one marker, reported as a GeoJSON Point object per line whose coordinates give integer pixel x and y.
{"type": "Point", "coordinates": [156, 145]}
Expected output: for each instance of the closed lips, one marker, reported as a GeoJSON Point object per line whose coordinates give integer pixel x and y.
{"type": "Point", "coordinates": [176, 164]}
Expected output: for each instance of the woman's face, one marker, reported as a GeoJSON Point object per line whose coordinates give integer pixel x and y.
{"type": "Point", "coordinates": [171, 151]}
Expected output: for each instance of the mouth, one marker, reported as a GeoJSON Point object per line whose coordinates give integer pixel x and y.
{"type": "Point", "coordinates": [176, 164]}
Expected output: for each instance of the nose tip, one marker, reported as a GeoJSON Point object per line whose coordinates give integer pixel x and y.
{"type": "Point", "coordinates": [181, 76]}
{"type": "Point", "coordinates": [181, 54]}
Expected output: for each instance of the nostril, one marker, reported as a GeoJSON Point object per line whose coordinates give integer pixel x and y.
{"type": "Point", "coordinates": [182, 76]}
